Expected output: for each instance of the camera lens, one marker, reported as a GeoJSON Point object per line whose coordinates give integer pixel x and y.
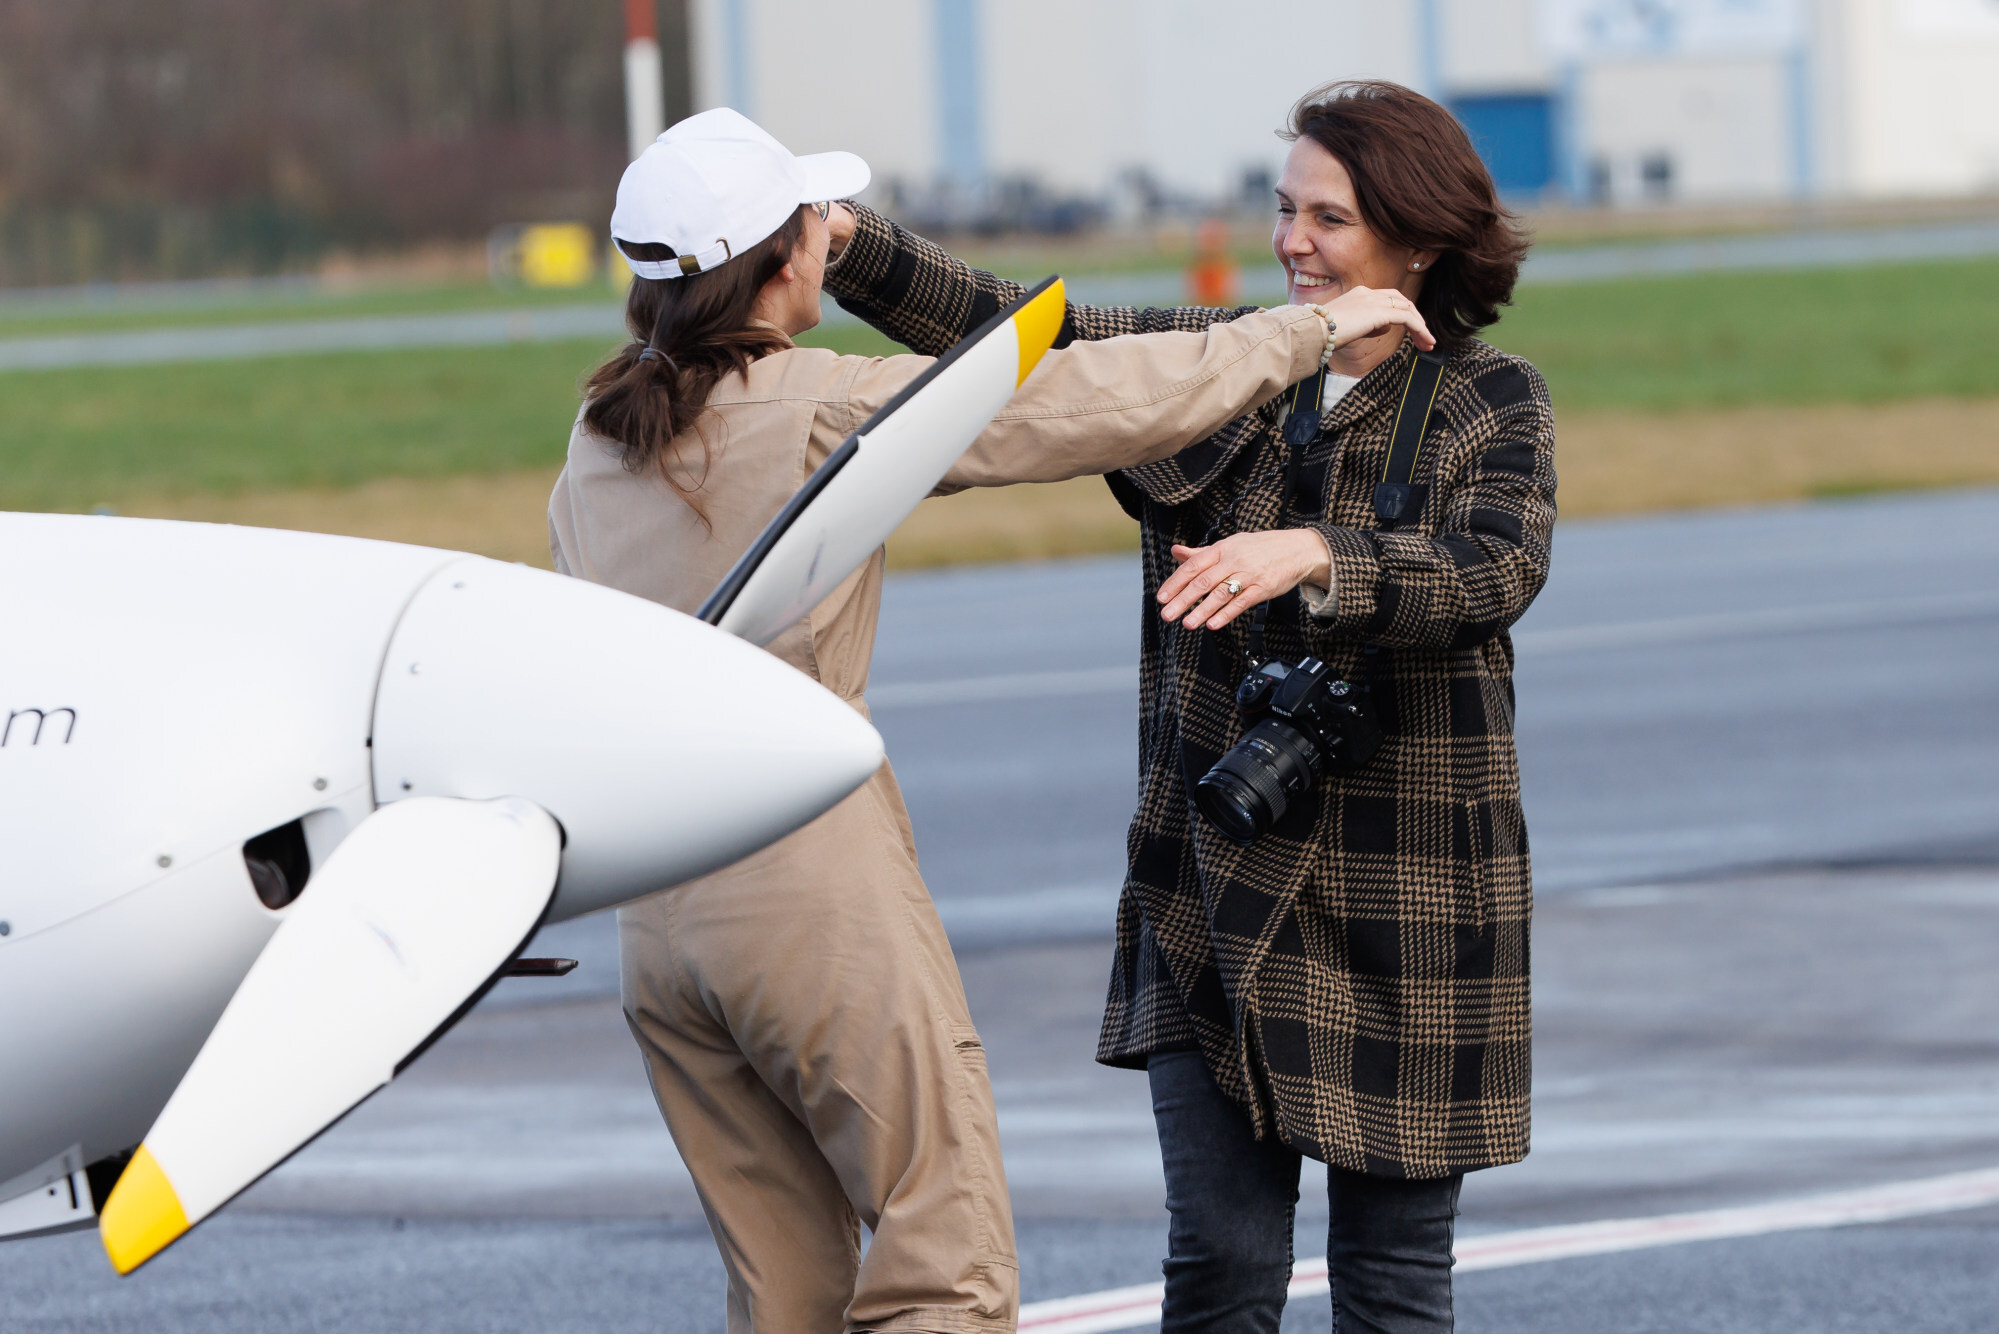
{"type": "Point", "coordinates": [1231, 804]}
{"type": "Point", "coordinates": [1250, 788]}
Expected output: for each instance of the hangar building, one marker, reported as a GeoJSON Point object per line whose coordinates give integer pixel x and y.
{"type": "Point", "coordinates": [1141, 103]}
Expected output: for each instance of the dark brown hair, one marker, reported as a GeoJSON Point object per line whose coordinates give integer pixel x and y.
{"type": "Point", "coordinates": [1421, 184]}
{"type": "Point", "coordinates": [700, 326]}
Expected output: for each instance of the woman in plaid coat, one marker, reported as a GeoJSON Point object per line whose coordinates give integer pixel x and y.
{"type": "Point", "coordinates": [1352, 986]}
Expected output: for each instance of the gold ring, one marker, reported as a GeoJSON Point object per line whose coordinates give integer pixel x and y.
{"type": "Point", "coordinates": [1234, 586]}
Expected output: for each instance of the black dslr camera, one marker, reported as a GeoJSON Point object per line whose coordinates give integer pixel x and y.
{"type": "Point", "coordinates": [1305, 722]}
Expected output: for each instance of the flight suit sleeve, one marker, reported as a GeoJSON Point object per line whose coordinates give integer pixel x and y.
{"type": "Point", "coordinates": [1095, 407]}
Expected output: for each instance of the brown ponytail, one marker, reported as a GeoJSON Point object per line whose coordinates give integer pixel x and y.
{"type": "Point", "coordinates": [690, 333]}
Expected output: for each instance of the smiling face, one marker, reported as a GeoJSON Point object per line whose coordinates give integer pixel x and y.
{"type": "Point", "coordinates": [1322, 241]}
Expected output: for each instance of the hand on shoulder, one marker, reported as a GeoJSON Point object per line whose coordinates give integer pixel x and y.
{"type": "Point", "coordinates": [1367, 312]}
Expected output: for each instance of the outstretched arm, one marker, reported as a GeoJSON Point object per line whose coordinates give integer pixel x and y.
{"type": "Point", "coordinates": [917, 294]}
{"type": "Point", "coordinates": [1093, 407]}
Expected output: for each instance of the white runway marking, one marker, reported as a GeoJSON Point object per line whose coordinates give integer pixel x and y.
{"type": "Point", "coordinates": [1537, 643]}
{"type": "Point", "coordinates": [1752, 624]}
{"type": "Point", "coordinates": [1135, 1307]}
{"type": "Point", "coordinates": [1012, 685]}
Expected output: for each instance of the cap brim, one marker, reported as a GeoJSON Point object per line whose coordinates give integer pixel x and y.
{"type": "Point", "coordinates": [831, 176]}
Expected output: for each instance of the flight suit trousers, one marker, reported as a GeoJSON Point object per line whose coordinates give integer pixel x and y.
{"type": "Point", "coordinates": [808, 1041]}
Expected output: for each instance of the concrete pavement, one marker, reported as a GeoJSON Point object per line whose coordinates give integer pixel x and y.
{"type": "Point", "coordinates": [1758, 752]}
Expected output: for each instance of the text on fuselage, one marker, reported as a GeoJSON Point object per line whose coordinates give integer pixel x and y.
{"type": "Point", "coordinates": [15, 731]}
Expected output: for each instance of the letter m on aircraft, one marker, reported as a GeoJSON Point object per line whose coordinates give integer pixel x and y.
{"type": "Point", "coordinates": [17, 724]}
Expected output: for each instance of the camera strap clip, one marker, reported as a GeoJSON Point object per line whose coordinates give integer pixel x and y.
{"type": "Point", "coordinates": [1399, 497]}
{"type": "Point", "coordinates": [1301, 427]}
{"type": "Point", "coordinates": [1259, 617]}
{"type": "Point", "coordinates": [1302, 413]}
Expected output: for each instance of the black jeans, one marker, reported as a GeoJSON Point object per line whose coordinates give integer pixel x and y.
{"type": "Point", "coordinates": [1232, 1199]}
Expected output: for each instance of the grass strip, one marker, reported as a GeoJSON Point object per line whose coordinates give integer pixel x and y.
{"type": "Point", "coordinates": [1858, 335]}
{"type": "Point", "coordinates": [1846, 335]}
{"type": "Point", "coordinates": [1610, 463]}
{"type": "Point", "coordinates": [73, 439]}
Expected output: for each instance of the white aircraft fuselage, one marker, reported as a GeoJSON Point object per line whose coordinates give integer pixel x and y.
{"type": "Point", "coordinates": [276, 807]}
{"type": "Point", "coordinates": [170, 693]}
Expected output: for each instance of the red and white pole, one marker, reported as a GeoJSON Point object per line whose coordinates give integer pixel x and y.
{"type": "Point", "coordinates": [645, 92]}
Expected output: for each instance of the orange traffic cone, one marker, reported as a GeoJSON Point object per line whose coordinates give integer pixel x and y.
{"type": "Point", "coordinates": [1213, 279]}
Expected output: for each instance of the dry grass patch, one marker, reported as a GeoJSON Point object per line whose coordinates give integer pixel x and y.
{"type": "Point", "coordinates": [1072, 518]}
{"type": "Point", "coordinates": [1626, 462]}
{"type": "Point", "coordinates": [505, 516]}
{"type": "Point", "coordinates": [1610, 463]}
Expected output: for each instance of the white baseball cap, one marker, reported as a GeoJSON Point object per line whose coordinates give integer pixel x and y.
{"type": "Point", "coordinates": [716, 184]}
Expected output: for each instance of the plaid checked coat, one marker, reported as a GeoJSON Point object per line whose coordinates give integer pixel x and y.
{"type": "Point", "coordinates": [1357, 978]}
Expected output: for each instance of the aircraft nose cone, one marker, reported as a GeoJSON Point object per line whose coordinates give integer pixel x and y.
{"type": "Point", "coordinates": [665, 748]}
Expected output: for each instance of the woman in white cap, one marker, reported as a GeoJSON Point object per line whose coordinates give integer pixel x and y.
{"type": "Point", "coordinates": [800, 1012]}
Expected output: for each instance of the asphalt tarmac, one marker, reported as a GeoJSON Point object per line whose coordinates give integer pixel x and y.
{"type": "Point", "coordinates": [1758, 750]}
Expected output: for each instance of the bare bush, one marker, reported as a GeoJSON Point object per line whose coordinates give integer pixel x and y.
{"type": "Point", "coordinates": [180, 137]}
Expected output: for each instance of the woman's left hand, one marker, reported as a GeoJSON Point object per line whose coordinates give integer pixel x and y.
{"type": "Point", "coordinates": [840, 223]}
{"type": "Point", "coordinates": [1262, 565]}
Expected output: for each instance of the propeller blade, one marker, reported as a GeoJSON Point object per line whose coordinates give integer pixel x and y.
{"type": "Point", "coordinates": [409, 921]}
{"type": "Point", "coordinates": [869, 485]}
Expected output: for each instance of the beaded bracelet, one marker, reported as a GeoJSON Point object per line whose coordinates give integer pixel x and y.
{"type": "Point", "coordinates": [1332, 327]}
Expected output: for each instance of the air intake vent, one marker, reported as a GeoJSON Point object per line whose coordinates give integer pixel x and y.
{"type": "Point", "coordinates": [279, 864]}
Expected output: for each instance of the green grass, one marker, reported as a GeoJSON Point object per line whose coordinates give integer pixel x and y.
{"type": "Point", "coordinates": [857, 340]}
{"type": "Point", "coordinates": [20, 318]}
{"type": "Point", "coordinates": [71, 439]}
{"type": "Point", "coordinates": [74, 438]}
{"type": "Point", "coordinates": [1862, 335]}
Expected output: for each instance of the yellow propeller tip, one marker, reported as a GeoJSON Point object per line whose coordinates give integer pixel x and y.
{"type": "Point", "coordinates": [1036, 325]}
{"type": "Point", "coordinates": [143, 1216]}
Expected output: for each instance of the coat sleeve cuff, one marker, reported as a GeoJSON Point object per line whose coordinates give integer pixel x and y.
{"type": "Point", "coordinates": [1308, 339]}
{"type": "Point", "coordinates": [1322, 604]}
{"type": "Point", "coordinates": [864, 262]}
{"type": "Point", "coordinates": [1356, 579]}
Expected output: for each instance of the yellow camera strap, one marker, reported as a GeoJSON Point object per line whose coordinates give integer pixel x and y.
{"type": "Point", "coordinates": [1398, 496]}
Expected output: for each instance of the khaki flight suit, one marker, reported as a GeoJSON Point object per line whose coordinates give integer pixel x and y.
{"type": "Point", "coordinates": [800, 1012]}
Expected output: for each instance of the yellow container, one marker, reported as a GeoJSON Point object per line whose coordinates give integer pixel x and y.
{"type": "Point", "coordinates": [557, 254]}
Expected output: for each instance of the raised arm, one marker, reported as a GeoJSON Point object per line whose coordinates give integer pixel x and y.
{"type": "Point", "coordinates": [1093, 407]}
{"type": "Point", "coordinates": [914, 292]}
